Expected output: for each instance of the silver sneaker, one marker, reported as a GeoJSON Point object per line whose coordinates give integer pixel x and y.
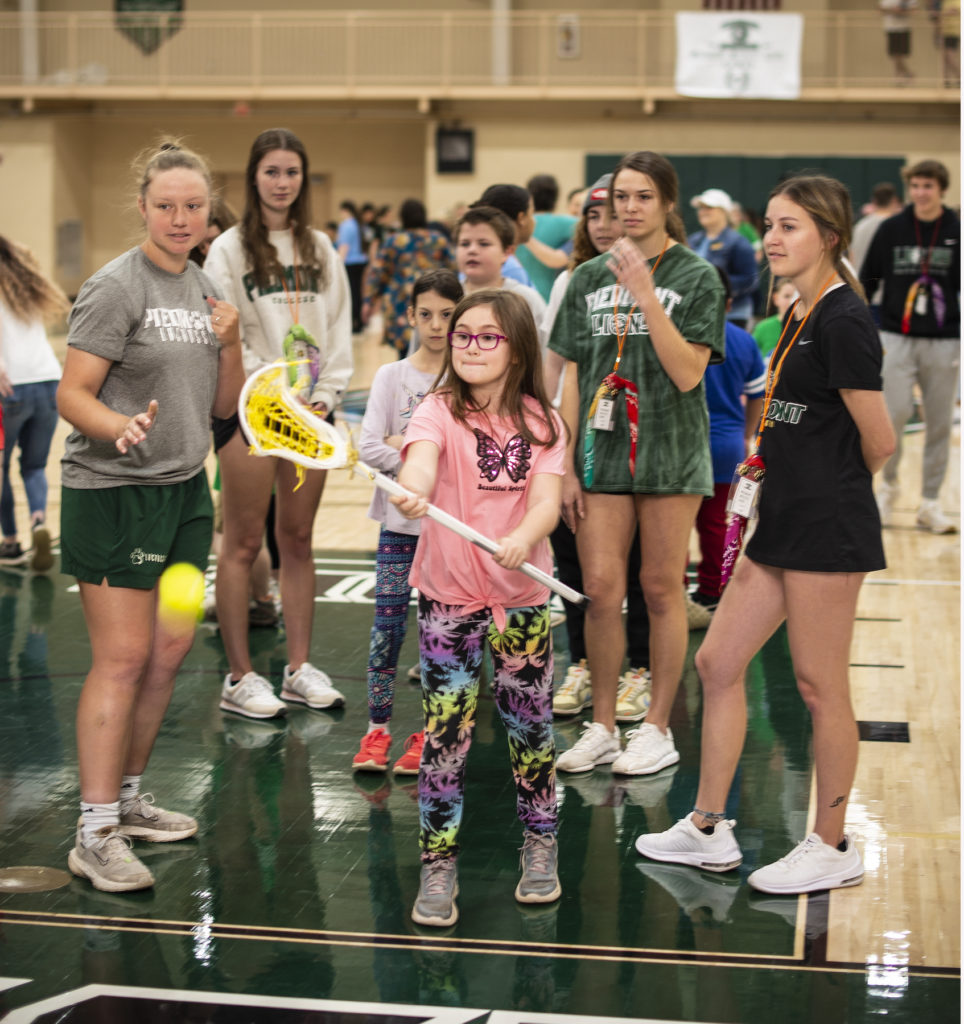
{"type": "Point", "coordinates": [438, 886]}
{"type": "Point", "coordinates": [540, 876]}
{"type": "Point", "coordinates": [144, 820]}
{"type": "Point", "coordinates": [108, 862]}
{"type": "Point", "coordinates": [251, 696]}
{"type": "Point", "coordinates": [930, 517]}
{"type": "Point", "coordinates": [887, 495]}
{"type": "Point", "coordinates": [309, 685]}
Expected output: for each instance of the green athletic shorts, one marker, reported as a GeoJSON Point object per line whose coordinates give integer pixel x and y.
{"type": "Point", "coordinates": [128, 535]}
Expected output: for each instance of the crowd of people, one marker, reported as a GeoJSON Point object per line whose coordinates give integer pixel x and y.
{"type": "Point", "coordinates": [581, 387]}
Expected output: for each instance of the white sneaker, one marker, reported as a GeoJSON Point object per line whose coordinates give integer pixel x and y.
{"type": "Point", "coordinates": [596, 745]}
{"type": "Point", "coordinates": [634, 695]}
{"type": "Point", "coordinates": [684, 843]}
{"type": "Point", "coordinates": [309, 685]}
{"type": "Point", "coordinates": [252, 696]}
{"type": "Point", "coordinates": [649, 749]}
{"type": "Point", "coordinates": [886, 499]}
{"type": "Point", "coordinates": [811, 866]}
{"type": "Point", "coordinates": [930, 517]}
{"type": "Point", "coordinates": [575, 693]}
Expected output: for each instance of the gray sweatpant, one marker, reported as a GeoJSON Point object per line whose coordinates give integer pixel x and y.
{"type": "Point", "coordinates": [933, 364]}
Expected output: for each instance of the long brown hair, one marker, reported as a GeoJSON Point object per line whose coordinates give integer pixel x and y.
{"type": "Point", "coordinates": [261, 254]}
{"type": "Point", "coordinates": [23, 288]}
{"type": "Point", "coordinates": [663, 175]}
{"type": "Point", "coordinates": [827, 201]}
{"type": "Point", "coordinates": [512, 314]}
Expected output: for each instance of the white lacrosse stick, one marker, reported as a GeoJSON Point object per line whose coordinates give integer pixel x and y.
{"type": "Point", "coordinates": [276, 423]}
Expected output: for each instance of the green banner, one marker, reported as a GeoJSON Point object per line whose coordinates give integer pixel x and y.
{"type": "Point", "coordinates": [147, 23]}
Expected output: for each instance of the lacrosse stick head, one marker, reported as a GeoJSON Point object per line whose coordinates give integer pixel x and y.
{"type": "Point", "coordinates": [277, 424]}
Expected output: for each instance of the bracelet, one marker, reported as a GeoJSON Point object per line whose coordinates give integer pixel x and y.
{"type": "Point", "coordinates": [710, 818]}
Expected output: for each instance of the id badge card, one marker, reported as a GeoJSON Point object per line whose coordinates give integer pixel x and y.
{"type": "Point", "coordinates": [921, 300]}
{"type": "Point", "coordinates": [744, 498]}
{"type": "Point", "coordinates": [604, 415]}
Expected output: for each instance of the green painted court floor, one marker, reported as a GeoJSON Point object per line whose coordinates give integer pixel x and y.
{"type": "Point", "coordinates": [293, 901]}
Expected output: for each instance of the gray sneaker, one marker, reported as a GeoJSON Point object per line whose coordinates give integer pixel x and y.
{"type": "Point", "coordinates": [108, 862]}
{"type": "Point", "coordinates": [539, 863]}
{"type": "Point", "coordinates": [144, 820]}
{"type": "Point", "coordinates": [437, 888]}
{"type": "Point", "coordinates": [309, 685]}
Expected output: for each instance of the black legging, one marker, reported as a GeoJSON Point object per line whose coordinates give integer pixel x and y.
{"type": "Point", "coordinates": [356, 273]}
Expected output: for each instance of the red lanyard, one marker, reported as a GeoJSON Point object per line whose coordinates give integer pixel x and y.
{"type": "Point", "coordinates": [621, 336]}
{"type": "Point", "coordinates": [925, 262]}
{"type": "Point", "coordinates": [294, 312]}
{"type": "Point", "coordinates": [773, 374]}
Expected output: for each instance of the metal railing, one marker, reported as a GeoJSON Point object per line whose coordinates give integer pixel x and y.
{"type": "Point", "coordinates": [419, 54]}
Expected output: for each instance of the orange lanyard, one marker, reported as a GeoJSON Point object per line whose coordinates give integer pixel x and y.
{"type": "Point", "coordinates": [773, 373]}
{"type": "Point", "coordinates": [621, 336]}
{"type": "Point", "coordinates": [294, 312]}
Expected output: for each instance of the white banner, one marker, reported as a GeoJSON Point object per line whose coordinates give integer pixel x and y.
{"type": "Point", "coordinates": [739, 55]}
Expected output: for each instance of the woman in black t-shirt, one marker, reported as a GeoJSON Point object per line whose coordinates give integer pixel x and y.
{"type": "Point", "coordinates": [825, 431]}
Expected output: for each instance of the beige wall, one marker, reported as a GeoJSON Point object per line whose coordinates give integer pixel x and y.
{"type": "Point", "coordinates": [79, 167]}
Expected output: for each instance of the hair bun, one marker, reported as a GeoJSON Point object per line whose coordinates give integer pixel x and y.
{"type": "Point", "coordinates": [167, 147]}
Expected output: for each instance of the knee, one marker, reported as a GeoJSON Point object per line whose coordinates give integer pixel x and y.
{"type": "Point", "coordinates": [713, 676]}
{"type": "Point", "coordinates": [295, 541]}
{"type": "Point", "coordinates": [603, 591]}
{"type": "Point", "coordinates": [662, 592]}
{"type": "Point", "coordinates": [122, 667]}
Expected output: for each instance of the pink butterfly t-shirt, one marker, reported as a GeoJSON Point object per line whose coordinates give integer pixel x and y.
{"type": "Point", "coordinates": [484, 470]}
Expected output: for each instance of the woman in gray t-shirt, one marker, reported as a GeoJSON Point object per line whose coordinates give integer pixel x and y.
{"type": "Point", "coordinates": [152, 354]}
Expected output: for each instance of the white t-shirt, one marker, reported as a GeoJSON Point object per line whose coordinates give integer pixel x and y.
{"type": "Point", "coordinates": [25, 350]}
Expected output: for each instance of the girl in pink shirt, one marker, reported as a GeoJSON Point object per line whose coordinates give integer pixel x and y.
{"type": "Point", "coordinates": [486, 447]}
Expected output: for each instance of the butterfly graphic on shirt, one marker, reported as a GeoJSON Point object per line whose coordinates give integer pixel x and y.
{"type": "Point", "coordinates": [514, 458]}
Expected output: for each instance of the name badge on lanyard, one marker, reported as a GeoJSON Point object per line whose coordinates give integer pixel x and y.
{"type": "Point", "coordinates": [604, 415]}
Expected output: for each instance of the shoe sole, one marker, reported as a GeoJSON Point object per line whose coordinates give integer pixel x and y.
{"type": "Point", "coordinates": [819, 885]}
{"type": "Point", "coordinates": [297, 698]}
{"type": "Point", "coordinates": [369, 766]}
{"type": "Point", "coordinates": [690, 860]}
{"type": "Point", "coordinates": [401, 769]}
{"type": "Point", "coordinates": [538, 897]}
{"type": "Point", "coordinates": [155, 835]}
{"type": "Point", "coordinates": [669, 759]}
{"type": "Point", "coordinates": [42, 559]}
{"type": "Point", "coordinates": [938, 533]}
{"type": "Point", "coordinates": [605, 759]}
{"type": "Point", "coordinates": [104, 884]}
{"type": "Point", "coordinates": [569, 712]}
{"type": "Point", "coordinates": [632, 718]}
{"type": "Point", "coordinates": [236, 709]}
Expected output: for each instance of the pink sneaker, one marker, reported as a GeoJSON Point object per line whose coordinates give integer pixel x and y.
{"type": "Point", "coordinates": [372, 756]}
{"type": "Point", "coordinates": [408, 763]}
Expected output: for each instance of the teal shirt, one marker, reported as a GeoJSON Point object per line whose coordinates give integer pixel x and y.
{"type": "Point", "coordinates": [554, 230]}
{"type": "Point", "coordinates": [673, 449]}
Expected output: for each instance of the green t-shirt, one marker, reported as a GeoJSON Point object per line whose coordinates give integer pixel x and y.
{"type": "Point", "coordinates": [673, 450]}
{"type": "Point", "coordinates": [767, 333]}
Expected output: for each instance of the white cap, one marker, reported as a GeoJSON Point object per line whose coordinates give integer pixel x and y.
{"type": "Point", "coordinates": [714, 197]}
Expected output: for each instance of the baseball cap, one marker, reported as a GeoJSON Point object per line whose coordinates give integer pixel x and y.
{"type": "Point", "coordinates": [598, 195]}
{"type": "Point", "coordinates": [715, 197]}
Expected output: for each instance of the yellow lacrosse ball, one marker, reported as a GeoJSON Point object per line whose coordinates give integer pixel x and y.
{"type": "Point", "coordinates": [180, 594]}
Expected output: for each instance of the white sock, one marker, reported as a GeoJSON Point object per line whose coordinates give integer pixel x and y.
{"type": "Point", "coordinates": [372, 726]}
{"type": "Point", "coordinates": [97, 816]}
{"type": "Point", "coordinates": [130, 788]}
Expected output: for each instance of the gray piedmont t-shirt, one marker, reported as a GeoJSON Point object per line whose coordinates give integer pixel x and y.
{"type": "Point", "coordinates": [155, 328]}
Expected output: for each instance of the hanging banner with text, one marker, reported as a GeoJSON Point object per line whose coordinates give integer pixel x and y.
{"type": "Point", "coordinates": [147, 23]}
{"type": "Point", "coordinates": [738, 55]}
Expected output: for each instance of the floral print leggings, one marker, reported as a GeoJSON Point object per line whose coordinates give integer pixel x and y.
{"type": "Point", "coordinates": [451, 646]}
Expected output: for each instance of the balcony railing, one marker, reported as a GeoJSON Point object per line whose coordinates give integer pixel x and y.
{"type": "Point", "coordinates": [422, 55]}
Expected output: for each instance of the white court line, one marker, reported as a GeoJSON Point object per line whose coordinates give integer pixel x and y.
{"type": "Point", "coordinates": [913, 583]}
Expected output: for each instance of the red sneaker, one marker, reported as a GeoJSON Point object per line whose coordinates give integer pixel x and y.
{"type": "Point", "coordinates": [372, 756]}
{"type": "Point", "coordinates": [408, 763]}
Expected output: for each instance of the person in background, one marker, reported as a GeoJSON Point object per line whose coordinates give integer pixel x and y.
{"type": "Point", "coordinates": [29, 372]}
{"type": "Point", "coordinates": [221, 218]}
{"type": "Point", "coordinates": [553, 230]}
{"type": "Point", "coordinates": [916, 257]}
{"type": "Point", "coordinates": [727, 249]}
{"type": "Point", "coordinates": [352, 250]}
{"type": "Point", "coordinates": [402, 258]}
{"type": "Point", "coordinates": [516, 203]}
{"type": "Point", "coordinates": [884, 203]}
{"type": "Point", "coordinates": [767, 331]}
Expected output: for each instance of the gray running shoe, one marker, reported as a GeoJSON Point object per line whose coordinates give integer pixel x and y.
{"type": "Point", "coordinates": [144, 820]}
{"type": "Point", "coordinates": [540, 876]}
{"type": "Point", "coordinates": [108, 862]}
{"type": "Point", "coordinates": [437, 888]}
